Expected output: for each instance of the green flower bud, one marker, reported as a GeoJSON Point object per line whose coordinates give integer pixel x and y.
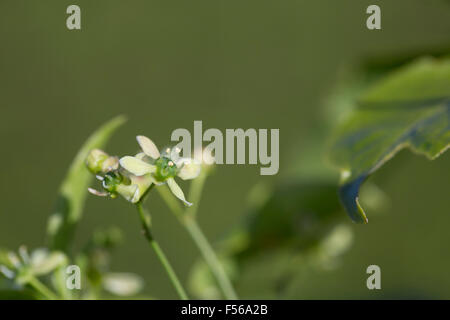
{"type": "Point", "coordinates": [95, 160]}
{"type": "Point", "coordinates": [99, 161]}
{"type": "Point", "coordinates": [107, 238]}
{"type": "Point", "coordinates": [111, 180]}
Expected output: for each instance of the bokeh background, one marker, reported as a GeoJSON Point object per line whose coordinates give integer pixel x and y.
{"type": "Point", "coordinates": [231, 64]}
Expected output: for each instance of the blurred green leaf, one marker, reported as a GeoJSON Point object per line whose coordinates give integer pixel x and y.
{"type": "Point", "coordinates": [106, 238]}
{"type": "Point", "coordinates": [296, 226]}
{"type": "Point", "coordinates": [410, 108]}
{"type": "Point", "coordinates": [286, 226]}
{"type": "Point", "coordinates": [297, 214]}
{"type": "Point", "coordinates": [203, 284]}
{"type": "Point", "coordinates": [72, 194]}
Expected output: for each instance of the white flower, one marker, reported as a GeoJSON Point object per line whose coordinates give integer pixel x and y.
{"type": "Point", "coordinates": [113, 184]}
{"type": "Point", "coordinates": [114, 181]}
{"type": "Point", "coordinates": [162, 167]}
{"type": "Point", "coordinates": [23, 266]}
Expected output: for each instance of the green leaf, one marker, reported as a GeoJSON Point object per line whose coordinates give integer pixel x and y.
{"type": "Point", "coordinates": [297, 214]}
{"type": "Point", "coordinates": [72, 193]}
{"type": "Point", "coordinates": [410, 108]}
{"type": "Point", "coordinates": [287, 221]}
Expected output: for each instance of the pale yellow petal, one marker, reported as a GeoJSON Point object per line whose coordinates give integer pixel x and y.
{"type": "Point", "coordinates": [129, 192]}
{"type": "Point", "coordinates": [148, 147]}
{"type": "Point", "coordinates": [140, 156]}
{"type": "Point", "coordinates": [190, 168]}
{"type": "Point", "coordinates": [97, 193]}
{"type": "Point", "coordinates": [176, 190]}
{"type": "Point", "coordinates": [136, 166]}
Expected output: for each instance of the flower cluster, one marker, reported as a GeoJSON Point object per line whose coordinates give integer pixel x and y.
{"type": "Point", "coordinates": [24, 266]}
{"type": "Point", "coordinates": [132, 176]}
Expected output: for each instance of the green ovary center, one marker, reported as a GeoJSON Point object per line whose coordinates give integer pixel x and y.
{"type": "Point", "coordinates": [165, 169]}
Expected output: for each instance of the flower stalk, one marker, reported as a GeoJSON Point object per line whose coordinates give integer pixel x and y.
{"type": "Point", "coordinates": [210, 257]}
{"type": "Point", "coordinates": [41, 288]}
{"type": "Point", "coordinates": [134, 176]}
{"type": "Point", "coordinates": [188, 220]}
{"type": "Point", "coordinates": [146, 225]}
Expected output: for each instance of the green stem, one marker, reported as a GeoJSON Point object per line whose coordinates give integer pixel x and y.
{"type": "Point", "coordinates": [145, 219]}
{"type": "Point", "coordinates": [211, 258]}
{"type": "Point", "coordinates": [42, 289]}
{"type": "Point", "coordinates": [195, 193]}
{"type": "Point", "coordinates": [208, 254]}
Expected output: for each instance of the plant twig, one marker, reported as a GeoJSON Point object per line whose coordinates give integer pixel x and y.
{"type": "Point", "coordinates": [205, 248]}
{"type": "Point", "coordinates": [42, 288]}
{"type": "Point", "coordinates": [146, 225]}
{"type": "Point", "coordinates": [195, 193]}
{"type": "Point", "coordinates": [211, 258]}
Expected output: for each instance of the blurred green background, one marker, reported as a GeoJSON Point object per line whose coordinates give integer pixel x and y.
{"type": "Point", "coordinates": [232, 64]}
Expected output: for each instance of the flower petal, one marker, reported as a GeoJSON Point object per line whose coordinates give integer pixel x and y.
{"type": "Point", "coordinates": [23, 253]}
{"type": "Point", "coordinates": [97, 193]}
{"type": "Point", "coordinates": [129, 192]}
{"type": "Point", "coordinates": [122, 284]}
{"type": "Point", "coordinates": [148, 147]}
{"type": "Point", "coordinates": [175, 154]}
{"type": "Point", "coordinates": [136, 196]}
{"type": "Point", "coordinates": [7, 272]}
{"type": "Point", "coordinates": [176, 190]}
{"type": "Point", "coordinates": [52, 261]}
{"type": "Point", "coordinates": [140, 156]}
{"type": "Point", "coordinates": [190, 168]}
{"type": "Point", "coordinates": [110, 164]}
{"type": "Point", "coordinates": [14, 259]}
{"type": "Point", "coordinates": [39, 255]}
{"type": "Point", "coordinates": [136, 166]}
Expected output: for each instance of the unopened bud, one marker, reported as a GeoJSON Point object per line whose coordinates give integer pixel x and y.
{"type": "Point", "coordinates": [99, 161]}
{"type": "Point", "coordinates": [95, 160]}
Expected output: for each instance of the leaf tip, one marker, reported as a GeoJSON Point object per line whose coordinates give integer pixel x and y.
{"type": "Point", "coordinates": [348, 194]}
